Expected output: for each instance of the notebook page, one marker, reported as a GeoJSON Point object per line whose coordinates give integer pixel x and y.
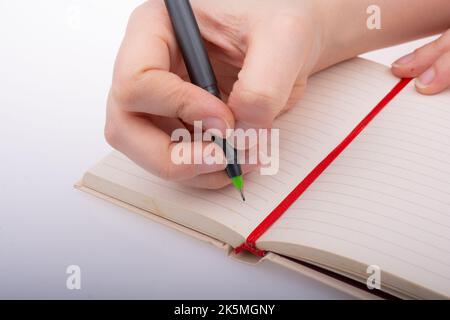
{"type": "Point", "coordinates": [334, 102]}
{"type": "Point", "coordinates": [386, 200]}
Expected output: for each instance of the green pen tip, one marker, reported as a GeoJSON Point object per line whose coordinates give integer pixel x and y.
{"type": "Point", "coordinates": [238, 183]}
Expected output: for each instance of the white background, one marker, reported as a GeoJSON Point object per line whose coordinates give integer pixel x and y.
{"type": "Point", "coordinates": [53, 82]}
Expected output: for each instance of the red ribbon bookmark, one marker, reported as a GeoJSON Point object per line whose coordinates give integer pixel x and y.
{"type": "Point", "coordinates": [250, 243]}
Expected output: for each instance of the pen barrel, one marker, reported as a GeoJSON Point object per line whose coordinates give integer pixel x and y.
{"type": "Point", "coordinates": [233, 168]}
{"type": "Point", "coordinates": [214, 90]}
{"type": "Point", "coordinates": [198, 65]}
{"type": "Point", "coordinates": [191, 45]}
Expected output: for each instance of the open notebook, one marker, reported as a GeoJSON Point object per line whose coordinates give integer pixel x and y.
{"type": "Point", "coordinates": [384, 201]}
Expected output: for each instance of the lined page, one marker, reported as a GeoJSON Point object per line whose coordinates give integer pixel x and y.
{"type": "Point", "coordinates": [335, 101]}
{"type": "Point", "coordinates": [386, 200]}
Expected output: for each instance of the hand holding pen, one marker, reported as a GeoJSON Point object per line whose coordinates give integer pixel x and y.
{"type": "Point", "coordinates": [152, 93]}
{"type": "Point", "coordinates": [262, 53]}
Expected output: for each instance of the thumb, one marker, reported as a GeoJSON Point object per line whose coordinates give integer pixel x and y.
{"type": "Point", "coordinates": [272, 65]}
{"type": "Point", "coordinates": [417, 62]}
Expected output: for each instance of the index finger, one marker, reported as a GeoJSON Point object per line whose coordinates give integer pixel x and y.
{"type": "Point", "coordinates": [145, 78]}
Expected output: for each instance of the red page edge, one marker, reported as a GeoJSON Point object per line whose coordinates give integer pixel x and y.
{"type": "Point", "coordinates": [250, 244]}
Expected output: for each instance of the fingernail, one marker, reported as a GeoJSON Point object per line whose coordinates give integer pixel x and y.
{"type": "Point", "coordinates": [404, 60]}
{"type": "Point", "coordinates": [215, 123]}
{"type": "Point", "coordinates": [426, 78]}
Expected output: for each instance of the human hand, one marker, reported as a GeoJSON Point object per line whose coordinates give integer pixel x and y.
{"type": "Point", "coordinates": [430, 64]}
{"type": "Point", "coordinates": [262, 52]}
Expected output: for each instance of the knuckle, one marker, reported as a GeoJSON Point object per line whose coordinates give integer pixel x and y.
{"type": "Point", "coordinates": [144, 8]}
{"type": "Point", "coordinates": [139, 10]}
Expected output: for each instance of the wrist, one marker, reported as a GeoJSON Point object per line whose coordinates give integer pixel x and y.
{"type": "Point", "coordinates": [346, 33]}
{"type": "Point", "coordinates": [343, 29]}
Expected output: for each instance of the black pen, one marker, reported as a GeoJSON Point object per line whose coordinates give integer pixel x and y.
{"type": "Point", "coordinates": [200, 70]}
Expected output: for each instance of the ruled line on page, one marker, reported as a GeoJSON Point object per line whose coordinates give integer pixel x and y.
{"type": "Point", "coordinates": [377, 237]}
{"type": "Point", "coordinates": [391, 256]}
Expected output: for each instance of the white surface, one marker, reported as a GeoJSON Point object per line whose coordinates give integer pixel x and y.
{"type": "Point", "coordinates": [53, 82]}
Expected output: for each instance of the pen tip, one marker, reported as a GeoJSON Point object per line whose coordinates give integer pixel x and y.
{"type": "Point", "coordinates": [242, 195]}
